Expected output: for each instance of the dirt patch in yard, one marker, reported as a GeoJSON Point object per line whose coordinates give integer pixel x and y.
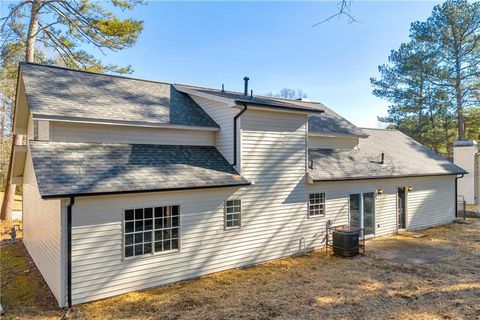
{"type": "Point", "coordinates": [401, 250]}
{"type": "Point", "coordinates": [318, 286]}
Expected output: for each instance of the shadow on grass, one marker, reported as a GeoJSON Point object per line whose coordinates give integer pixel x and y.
{"type": "Point", "coordinates": [24, 293]}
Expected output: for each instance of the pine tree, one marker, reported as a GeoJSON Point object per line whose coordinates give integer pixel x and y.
{"type": "Point", "coordinates": [33, 29]}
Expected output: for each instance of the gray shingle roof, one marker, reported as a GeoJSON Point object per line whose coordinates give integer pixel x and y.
{"type": "Point", "coordinates": [329, 122]}
{"type": "Point", "coordinates": [403, 157]}
{"type": "Point", "coordinates": [91, 168]}
{"type": "Point", "coordinates": [59, 92]}
{"type": "Point", "coordinates": [260, 100]}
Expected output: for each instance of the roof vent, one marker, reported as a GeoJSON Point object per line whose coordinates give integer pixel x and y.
{"type": "Point", "coordinates": [245, 91]}
{"type": "Point", "coordinates": [223, 87]}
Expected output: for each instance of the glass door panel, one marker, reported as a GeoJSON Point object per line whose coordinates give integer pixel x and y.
{"type": "Point", "coordinates": [401, 208]}
{"type": "Point", "coordinates": [355, 210]}
{"type": "Point", "coordinates": [369, 213]}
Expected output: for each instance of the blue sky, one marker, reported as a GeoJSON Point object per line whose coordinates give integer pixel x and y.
{"type": "Point", "coordinates": [210, 43]}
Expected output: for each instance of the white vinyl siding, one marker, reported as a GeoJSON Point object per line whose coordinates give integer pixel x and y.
{"type": "Point", "coordinates": [274, 219]}
{"type": "Point", "coordinates": [223, 116]}
{"type": "Point", "coordinates": [316, 142]}
{"type": "Point", "coordinates": [274, 215]}
{"type": "Point", "coordinates": [42, 233]}
{"type": "Point", "coordinates": [431, 202]}
{"type": "Point", "coordinates": [81, 132]}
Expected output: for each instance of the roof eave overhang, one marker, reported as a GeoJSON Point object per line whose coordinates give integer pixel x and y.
{"type": "Point", "coordinates": [18, 163]}
{"type": "Point", "coordinates": [181, 88]}
{"type": "Point", "coordinates": [36, 116]}
{"type": "Point", "coordinates": [235, 102]}
{"type": "Point", "coordinates": [337, 135]}
{"type": "Point", "coordinates": [311, 180]}
{"type": "Point", "coordinates": [92, 194]}
{"type": "Point", "coordinates": [21, 113]}
{"type": "Point", "coordinates": [279, 108]}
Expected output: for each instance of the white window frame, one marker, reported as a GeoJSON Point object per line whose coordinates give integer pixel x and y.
{"type": "Point", "coordinates": [236, 204]}
{"type": "Point", "coordinates": [153, 230]}
{"type": "Point", "coordinates": [321, 205]}
{"type": "Point", "coordinates": [35, 130]}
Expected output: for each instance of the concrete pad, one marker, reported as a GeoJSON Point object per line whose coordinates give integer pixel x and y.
{"type": "Point", "coordinates": [406, 251]}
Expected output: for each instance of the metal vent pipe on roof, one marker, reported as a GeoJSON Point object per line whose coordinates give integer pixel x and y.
{"type": "Point", "coordinates": [245, 91]}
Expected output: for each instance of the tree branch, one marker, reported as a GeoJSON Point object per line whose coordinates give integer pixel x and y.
{"type": "Point", "coordinates": [343, 10]}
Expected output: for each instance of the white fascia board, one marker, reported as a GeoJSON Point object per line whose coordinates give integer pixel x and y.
{"type": "Point", "coordinates": [21, 110]}
{"type": "Point", "coordinates": [229, 102]}
{"type": "Point", "coordinates": [272, 109]}
{"type": "Point", "coordinates": [52, 118]}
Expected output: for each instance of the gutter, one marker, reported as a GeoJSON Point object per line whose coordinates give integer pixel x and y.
{"type": "Point", "coordinates": [90, 194]}
{"type": "Point", "coordinates": [384, 177]}
{"type": "Point", "coordinates": [235, 133]}
{"type": "Point", "coordinates": [280, 107]}
{"type": "Point", "coordinates": [69, 251]}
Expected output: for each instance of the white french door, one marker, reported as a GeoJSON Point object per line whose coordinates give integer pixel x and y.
{"type": "Point", "coordinates": [362, 211]}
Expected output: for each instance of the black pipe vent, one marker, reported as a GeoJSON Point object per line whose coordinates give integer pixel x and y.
{"type": "Point", "coordinates": [245, 91]}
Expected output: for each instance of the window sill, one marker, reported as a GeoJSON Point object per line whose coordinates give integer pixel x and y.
{"type": "Point", "coordinates": [317, 216]}
{"type": "Point", "coordinates": [232, 228]}
{"type": "Point", "coordinates": [152, 255]}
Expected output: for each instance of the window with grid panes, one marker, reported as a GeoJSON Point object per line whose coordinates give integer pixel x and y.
{"type": "Point", "coordinates": [150, 230]}
{"type": "Point", "coordinates": [233, 211]}
{"type": "Point", "coordinates": [316, 204]}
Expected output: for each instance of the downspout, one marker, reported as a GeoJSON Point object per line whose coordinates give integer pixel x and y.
{"type": "Point", "coordinates": [69, 251]}
{"type": "Point", "coordinates": [235, 133]}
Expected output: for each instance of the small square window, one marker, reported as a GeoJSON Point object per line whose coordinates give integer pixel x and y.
{"type": "Point", "coordinates": [233, 210]}
{"type": "Point", "coordinates": [316, 204]}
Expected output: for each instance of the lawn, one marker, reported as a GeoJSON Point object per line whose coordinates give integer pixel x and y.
{"type": "Point", "coordinates": [314, 286]}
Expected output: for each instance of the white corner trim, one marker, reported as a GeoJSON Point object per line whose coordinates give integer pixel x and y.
{"type": "Point", "coordinates": [309, 179]}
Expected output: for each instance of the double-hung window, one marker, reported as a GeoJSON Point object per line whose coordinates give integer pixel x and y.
{"type": "Point", "coordinates": [150, 230]}
{"type": "Point", "coordinates": [233, 211]}
{"type": "Point", "coordinates": [316, 205]}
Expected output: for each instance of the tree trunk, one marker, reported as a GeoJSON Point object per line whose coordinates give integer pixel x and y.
{"type": "Point", "coordinates": [9, 195]}
{"type": "Point", "coordinates": [32, 31]}
{"type": "Point", "coordinates": [459, 99]}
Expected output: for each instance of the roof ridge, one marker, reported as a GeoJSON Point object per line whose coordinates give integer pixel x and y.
{"type": "Point", "coordinates": [91, 72]}
{"type": "Point", "coordinates": [255, 95]}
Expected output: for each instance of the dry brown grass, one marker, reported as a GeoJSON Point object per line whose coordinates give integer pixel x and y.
{"type": "Point", "coordinates": [318, 286]}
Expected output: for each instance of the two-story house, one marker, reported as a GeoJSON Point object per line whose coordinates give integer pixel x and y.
{"type": "Point", "coordinates": [130, 184]}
